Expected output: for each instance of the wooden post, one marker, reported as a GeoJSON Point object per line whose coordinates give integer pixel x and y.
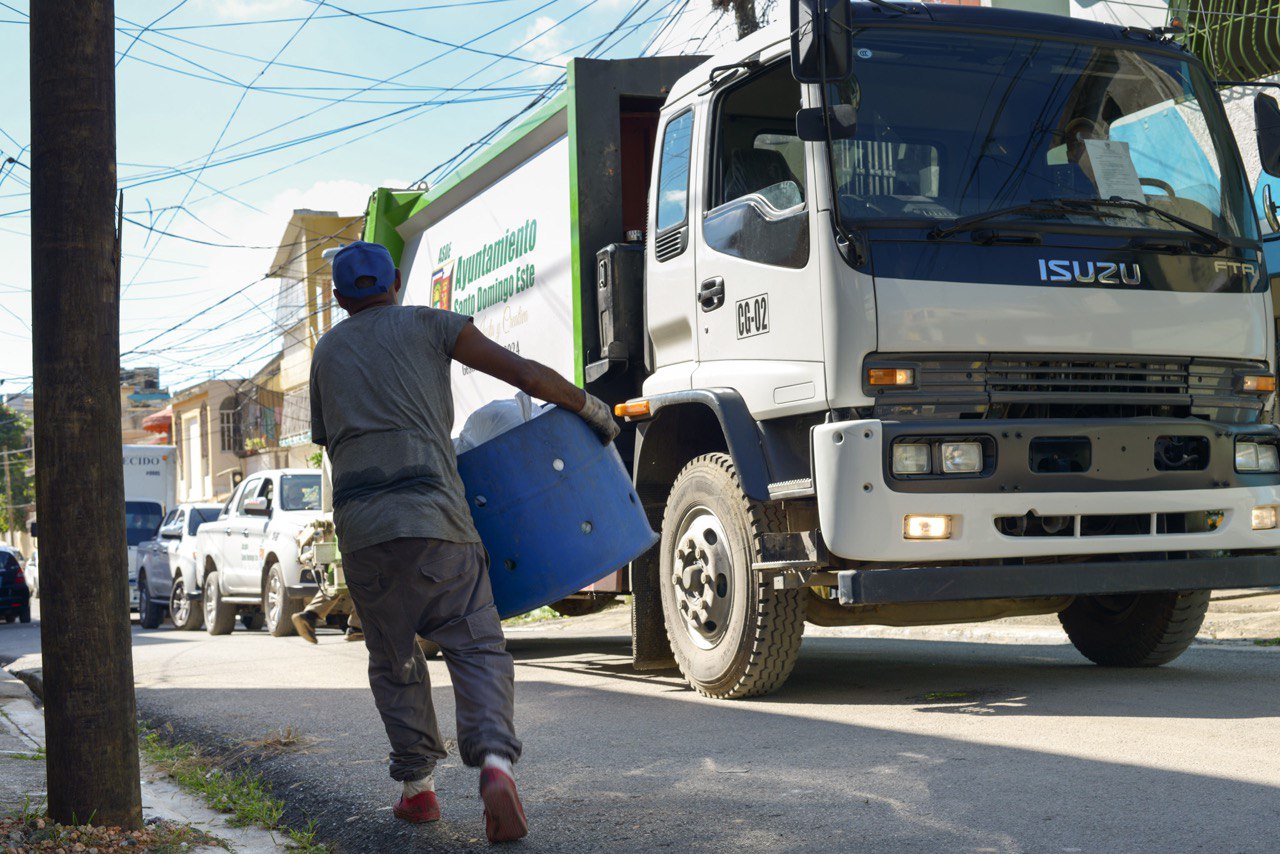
{"type": "Point", "coordinates": [90, 716]}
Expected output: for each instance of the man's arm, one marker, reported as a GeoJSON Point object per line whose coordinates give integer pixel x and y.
{"type": "Point", "coordinates": [535, 379]}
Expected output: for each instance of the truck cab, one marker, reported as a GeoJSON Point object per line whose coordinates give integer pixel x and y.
{"type": "Point", "coordinates": [990, 300]}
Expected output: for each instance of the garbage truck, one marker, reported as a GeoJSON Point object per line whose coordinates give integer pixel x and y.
{"type": "Point", "coordinates": [916, 314]}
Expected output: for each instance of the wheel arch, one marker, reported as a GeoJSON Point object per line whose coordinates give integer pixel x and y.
{"type": "Point", "coordinates": [687, 424]}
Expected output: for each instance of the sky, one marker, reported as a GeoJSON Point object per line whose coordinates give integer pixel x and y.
{"type": "Point", "coordinates": [233, 113]}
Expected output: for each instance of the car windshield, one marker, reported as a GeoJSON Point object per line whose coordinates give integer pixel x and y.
{"type": "Point", "coordinates": [141, 520]}
{"type": "Point", "coordinates": [197, 516]}
{"type": "Point", "coordinates": [300, 492]}
{"type": "Point", "coordinates": [950, 127]}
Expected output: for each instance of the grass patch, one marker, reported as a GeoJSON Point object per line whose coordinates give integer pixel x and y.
{"type": "Point", "coordinates": [240, 793]}
{"type": "Point", "coordinates": [1267, 642]}
{"type": "Point", "coordinates": [935, 696]}
{"type": "Point", "coordinates": [535, 616]}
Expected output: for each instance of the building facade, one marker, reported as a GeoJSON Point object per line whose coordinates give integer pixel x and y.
{"type": "Point", "coordinates": [206, 431]}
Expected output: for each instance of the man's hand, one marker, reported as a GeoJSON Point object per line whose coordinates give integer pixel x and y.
{"type": "Point", "coordinates": [599, 418]}
{"type": "Point", "coordinates": [476, 351]}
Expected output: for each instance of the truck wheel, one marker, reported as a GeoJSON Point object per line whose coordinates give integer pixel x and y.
{"type": "Point", "coordinates": [732, 634]}
{"type": "Point", "coordinates": [582, 607]}
{"type": "Point", "coordinates": [219, 616]}
{"type": "Point", "coordinates": [24, 615]}
{"type": "Point", "coordinates": [277, 605]}
{"type": "Point", "coordinates": [150, 612]}
{"type": "Point", "coordinates": [1136, 629]}
{"type": "Point", "coordinates": [186, 616]}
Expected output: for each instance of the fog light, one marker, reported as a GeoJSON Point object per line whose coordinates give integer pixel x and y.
{"type": "Point", "coordinates": [961, 457]}
{"type": "Point", "coordinates": [1264, 518]}
{"type": "Point", "coordinates": [910, 459]}
{"type": "Point", "coordinates": [927, 527]}
{"type": "Point", "coordinates": [1254, 456]}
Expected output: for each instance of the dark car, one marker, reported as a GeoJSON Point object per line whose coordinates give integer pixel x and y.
{"type": "Point", "coordinates": [15, 596]}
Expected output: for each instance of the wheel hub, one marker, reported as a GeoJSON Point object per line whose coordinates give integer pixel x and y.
{"type": "Point", "coordinates": [703, 578]}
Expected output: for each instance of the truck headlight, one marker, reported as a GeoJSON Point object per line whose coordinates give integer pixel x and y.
{"type": "Point", "coordinates": [1255, 456]}
{"type": "Point", "coordinates": [961, 457]}
{"type": "Point", "coordinates": [911, 459]}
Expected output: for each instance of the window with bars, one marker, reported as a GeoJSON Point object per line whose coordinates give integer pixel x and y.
{"type": "Point", "coordinates": [1236, 39]}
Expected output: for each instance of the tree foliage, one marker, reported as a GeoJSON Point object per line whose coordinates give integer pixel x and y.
{"type": "Point", "coordinates": [16, 455]}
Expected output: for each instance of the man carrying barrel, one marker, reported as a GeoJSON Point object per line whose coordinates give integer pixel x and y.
{"type": "Point", "coordinates": [382, 406]}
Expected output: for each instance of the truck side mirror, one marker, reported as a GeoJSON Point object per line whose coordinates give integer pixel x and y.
{"type": "Point", "coordinates": [1269, 208]}
{"type": "Point", "coordinates": [821, 40]}
{"type": "Point", "coordinates": [1266, 114]}
{"type": "Point", "coordinates": [810, 126]}
{"type": "Point", "coordinates": [257, 507]}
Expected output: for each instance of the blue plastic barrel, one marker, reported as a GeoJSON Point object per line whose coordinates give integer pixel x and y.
{"type": "Point", "coordinates": [554, 508]}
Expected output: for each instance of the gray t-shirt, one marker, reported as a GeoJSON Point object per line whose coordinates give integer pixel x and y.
{"type": "Point", "coordinates": [381, 403]}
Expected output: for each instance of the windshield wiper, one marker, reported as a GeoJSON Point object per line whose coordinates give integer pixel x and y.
{"type": "Point", "coordinates": [1213, 239]}
{"type": "Point", "coordinates": [1040, 206]}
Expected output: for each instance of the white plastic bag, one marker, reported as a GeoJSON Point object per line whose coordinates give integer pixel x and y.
{"type": "Point", "coordinates": [493, 419]}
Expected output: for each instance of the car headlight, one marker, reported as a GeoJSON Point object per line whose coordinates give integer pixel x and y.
{"type": "Point", "coordinates": [1257, 457]}
{"type": "Point", "coordinates": [961, 457]}
{"type": "Point", "coordinates": [911, 459]}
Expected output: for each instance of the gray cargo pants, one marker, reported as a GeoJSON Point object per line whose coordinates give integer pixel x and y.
{"type": "Point", "coordinates": [439, 590]}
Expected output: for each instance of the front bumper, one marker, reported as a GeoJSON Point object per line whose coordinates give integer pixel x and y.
{"type": "Point", "coordinates": [1031, 581]}
{"type": "Point", "coordinates": [861, 513]}
{"type": "Point", "coordinates": [302, 591]}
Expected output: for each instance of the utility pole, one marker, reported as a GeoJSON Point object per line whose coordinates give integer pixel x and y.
{"type": "Point", "coordinates": [90, 714]}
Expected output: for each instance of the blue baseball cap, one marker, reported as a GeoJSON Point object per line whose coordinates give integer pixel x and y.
{"type": "Point", "coordinates": [357, 260]}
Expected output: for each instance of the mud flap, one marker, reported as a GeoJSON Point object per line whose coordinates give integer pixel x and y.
{"type": "Point", "coordinates": [650, 648]}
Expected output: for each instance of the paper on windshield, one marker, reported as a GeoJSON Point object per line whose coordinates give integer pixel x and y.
{"type": "Point", "coordinates": [1113, 170]}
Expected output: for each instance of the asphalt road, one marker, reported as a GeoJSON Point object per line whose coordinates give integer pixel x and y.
{"type": "Point", "coordinates": [876, 744]}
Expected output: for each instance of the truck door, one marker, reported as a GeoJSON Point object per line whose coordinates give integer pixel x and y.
{"type": "Point", "coordinates": [236, 542]}
{"type": "Point", "coordinates": [757, 292]}
{"type": "Point", "coordinates": [670, 267]}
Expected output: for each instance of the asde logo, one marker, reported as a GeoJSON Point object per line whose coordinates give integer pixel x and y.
{"type": "Point", "coordinates": [1090, 272]}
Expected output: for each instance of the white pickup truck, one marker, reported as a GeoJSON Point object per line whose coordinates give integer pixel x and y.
{"type": "Point", "coordinates": [249, 555]}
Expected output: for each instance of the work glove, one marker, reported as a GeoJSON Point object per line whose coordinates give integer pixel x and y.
{"type": "Point", "coordinates": [599, 418]}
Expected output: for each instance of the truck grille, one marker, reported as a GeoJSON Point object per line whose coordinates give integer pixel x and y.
{"type": "Point", "coordinates": [1009, 386]}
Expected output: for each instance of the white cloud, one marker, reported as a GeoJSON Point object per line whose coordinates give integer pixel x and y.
{"type": "Point", "coordinates": [547, 45]}
{"type": "Point", "coordinates": [251, 10]}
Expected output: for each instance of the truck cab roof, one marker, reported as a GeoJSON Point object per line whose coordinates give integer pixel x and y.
{"type": "Point", "coordinates": [773, 42]}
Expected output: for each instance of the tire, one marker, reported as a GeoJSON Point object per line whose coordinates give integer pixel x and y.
{"type": "Point", "coordinates": [253, 622]}
{"type": "Point", "coordinates": [187, 616]}
{"type": "Point", "coordinates": [1137, 629]}
{"type": "Point", "coordinates": [24, 615]}
{"type": "Point", "coordinates": [278, 607]}
{"type": "Point", "coordinates": [732, 635]}
{"type": "Point", "coordinates": [582, 607]}
{"type": "Point", "coordinates": [150, 612]}
{"type": "Point", "coordinates": [9, 618]}
{"type": "Point", "coordinates": [219, 617]}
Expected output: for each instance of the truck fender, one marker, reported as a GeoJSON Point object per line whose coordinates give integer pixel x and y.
{"type": "Point", "coordinates": [684, 424]}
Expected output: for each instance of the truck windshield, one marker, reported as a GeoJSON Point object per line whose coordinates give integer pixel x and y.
{"type": "Point", "coordinates": [950, 127]}
{"type": "Point", "coordinates": [300, 492]}
{"type": "Point", "coordinates": [141, 520]}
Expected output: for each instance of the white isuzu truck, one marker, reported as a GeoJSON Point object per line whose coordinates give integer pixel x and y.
{"type": "Point", "coordinates": [917, 314]}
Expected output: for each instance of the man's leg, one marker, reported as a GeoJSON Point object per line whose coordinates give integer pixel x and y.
{"type": "Point", "coordinates": [461, 619]}
{"type": "Point", "coordinates": [381, 580]}
{"type": "Point", "coordinates": [306, 620]}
